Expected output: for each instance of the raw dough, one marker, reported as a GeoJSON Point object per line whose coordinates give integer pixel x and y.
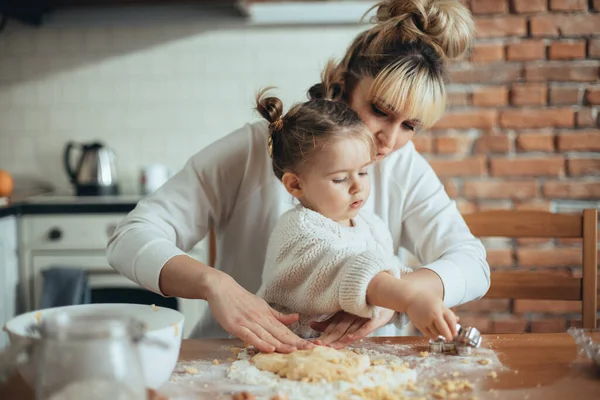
{"type": "Point", "coordinates": [314, 365]}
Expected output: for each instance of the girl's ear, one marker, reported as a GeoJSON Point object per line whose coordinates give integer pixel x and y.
{"type": "Point", "coordinates": [292, 184]}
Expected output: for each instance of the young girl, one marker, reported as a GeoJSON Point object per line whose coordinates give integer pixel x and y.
{"type": "Point", "coordinates": [394, 79]}
{"type": "Point", "coordinates": [324, 252]}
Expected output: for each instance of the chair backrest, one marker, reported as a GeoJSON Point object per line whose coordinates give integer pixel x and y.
{"type": "Point", "coordinates": [540, 285]}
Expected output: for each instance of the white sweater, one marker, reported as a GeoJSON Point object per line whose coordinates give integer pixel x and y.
{"type": "Point", "coordinates": [317, 267]}
{"type": "Point", "coordinates": [231, 185]}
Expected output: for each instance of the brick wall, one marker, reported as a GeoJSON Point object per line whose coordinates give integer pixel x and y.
{"type": "Point", "coordinates": [523, 132]}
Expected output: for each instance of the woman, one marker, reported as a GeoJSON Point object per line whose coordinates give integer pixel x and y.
{"type": "Point", "coordinates": [393, 77]}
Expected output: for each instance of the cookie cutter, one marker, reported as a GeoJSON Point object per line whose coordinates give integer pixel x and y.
{"type": "Point", "coordinates": [464, 342]}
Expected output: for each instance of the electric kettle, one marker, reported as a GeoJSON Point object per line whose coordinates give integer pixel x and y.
{"type": "Point", "coordinates": [95, 172]}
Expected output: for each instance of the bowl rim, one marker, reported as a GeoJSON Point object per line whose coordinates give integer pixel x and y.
{"type": "Point", "coordinates": [10, 326]}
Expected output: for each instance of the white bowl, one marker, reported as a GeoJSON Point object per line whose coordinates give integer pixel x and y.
{"type": "Point", "coordinates": [161, 323]}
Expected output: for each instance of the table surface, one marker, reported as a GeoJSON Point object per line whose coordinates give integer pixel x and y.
{"type": "Point", "coordinates": [534, 366]}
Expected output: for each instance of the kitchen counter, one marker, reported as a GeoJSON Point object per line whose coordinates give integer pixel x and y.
{"type": "Point", "coordinates": [68, 204]}
{"type": "Point", "coordinates": [534, 366]}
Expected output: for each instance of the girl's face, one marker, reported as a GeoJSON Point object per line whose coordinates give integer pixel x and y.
{"type": "Point", "coordinates": [391, 129]}
{"type": "Point", "coordinates": [336, 182]}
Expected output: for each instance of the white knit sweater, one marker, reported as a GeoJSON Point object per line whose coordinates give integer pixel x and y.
{"type": "Point", "coordinates": [230, 185]}
{"type": "Point", "coordinates": [317, 267]}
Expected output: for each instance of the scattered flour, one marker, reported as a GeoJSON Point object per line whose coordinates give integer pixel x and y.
{"type": "Point", "coordinates": [95, 389]}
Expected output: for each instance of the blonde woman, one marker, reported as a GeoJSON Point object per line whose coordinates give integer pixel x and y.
{"type": "Point", "coordinates": [393, 77]}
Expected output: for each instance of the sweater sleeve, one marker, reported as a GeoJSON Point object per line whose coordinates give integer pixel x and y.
{"type": "Point", "coordinates": [435, 232]}
{"type": "Point", "coordinates": [180, 213]}
{"type": "Point", "coordinates": [309, 270]}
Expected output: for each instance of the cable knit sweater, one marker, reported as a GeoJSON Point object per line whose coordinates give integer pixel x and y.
{"type": "Point", "coordinates": [316, 267]}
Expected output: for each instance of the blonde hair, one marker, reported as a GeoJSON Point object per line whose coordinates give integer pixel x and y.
{"type": "Point", "coordinates": [405, 53]}
{"type": "Point", "coordinates": [297, 136]}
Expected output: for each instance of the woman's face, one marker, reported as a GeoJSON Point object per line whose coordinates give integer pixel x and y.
{"type": "Point", "coordinates": [391, 129]}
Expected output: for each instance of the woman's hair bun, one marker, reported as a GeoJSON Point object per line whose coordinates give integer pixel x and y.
{"type": "Point", "coordinates": [447, 23]}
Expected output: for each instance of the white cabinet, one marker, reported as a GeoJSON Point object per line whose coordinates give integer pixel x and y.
{"type": "Point", "coordinates": [9, 273]}
{"type": "Point", "coordinates": [79, 240]}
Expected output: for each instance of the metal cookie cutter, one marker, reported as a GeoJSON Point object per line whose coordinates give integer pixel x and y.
{"type": "Point", "coordinates": [466, 340]}
{"type": "Point", "coordinates": [440, 346]}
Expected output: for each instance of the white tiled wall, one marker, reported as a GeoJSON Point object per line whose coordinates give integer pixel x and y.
{"type": "Point", "coordinates": [155, 90]}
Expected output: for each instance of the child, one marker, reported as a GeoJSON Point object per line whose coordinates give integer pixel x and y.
{"type": "Point", "coordinates": [323, 254]}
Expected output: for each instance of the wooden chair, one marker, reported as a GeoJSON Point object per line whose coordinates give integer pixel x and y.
{"type": "Point", "coordinates": [541, 285]}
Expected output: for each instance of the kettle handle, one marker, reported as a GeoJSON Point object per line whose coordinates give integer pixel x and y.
{"type": "Point", "coordinates": [67, 161]}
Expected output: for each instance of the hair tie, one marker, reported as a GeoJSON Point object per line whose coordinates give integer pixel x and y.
{"type": "Point", "coordinates": [270, 145]}
{"type": "Point", "coordinates": [277, 125]}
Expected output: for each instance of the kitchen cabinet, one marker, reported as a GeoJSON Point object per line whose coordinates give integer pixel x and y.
{"type": "Point", "coordinates": [9, 273]}
{"type": "Point", "coordinates": [79, 240]}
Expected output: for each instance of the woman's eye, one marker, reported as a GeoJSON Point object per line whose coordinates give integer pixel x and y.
{"type": "Point", "coordinates": [377, 111]}
{"type": "Point", "coordinates": [339, 180]}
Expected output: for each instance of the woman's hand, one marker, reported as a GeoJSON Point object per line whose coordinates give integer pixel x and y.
{"type": "Point", "coordinates": [250, 318]}
{"type": "Point", "coordinates": [429, 315]}
{"type": "Point", "coordinates": [342, 329]}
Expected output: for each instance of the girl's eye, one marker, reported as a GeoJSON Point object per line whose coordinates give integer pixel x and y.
{"type": "Point", "coordinates": [363, 173]}
{"type": "Point", "coordinates": [408, 126]}
{"type": "Point", "coordinates": [339, 180]}
{"type": "Point", "coordinates": [377, 111]}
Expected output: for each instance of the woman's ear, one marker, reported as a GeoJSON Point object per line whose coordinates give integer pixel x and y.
{"type": "Point", "coordinates": [292, 184]}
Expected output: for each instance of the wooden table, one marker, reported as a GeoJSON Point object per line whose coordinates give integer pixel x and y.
{"type": "Point", "coordinates": [547, 364]}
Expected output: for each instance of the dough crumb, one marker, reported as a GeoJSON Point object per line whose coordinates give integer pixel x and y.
{"type": "Point", "coordinates": [216, 362]}
{"type": "Point", "coordinates": [154, 308]}
{"type": "Point", "coordinates": [493, 374]}
{"type": "Point", "coordinates": [190, 370]}
{"type": "Point", "coordinates": [243, 396]}
{"type": "Point", "coordinates": [423, 354]}
{"type": "Point", "coordinates": [378, 362]}
{"type": "Point", "coordinates": [484, 361]}
{"type": "Point", "coordinates": [38, 316]}
{"type": "Point", "coordinates": [176, 328]}
{"type": "Point", "coordinates": [465, 361]}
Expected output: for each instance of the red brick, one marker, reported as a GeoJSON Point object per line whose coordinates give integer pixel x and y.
{"type": "Point", "coordinates": [594, 48]}
{"type": "Point", "coordinates": [548, 257]}
{"type": "Point", "coordinates": [452, 144]}
{"type": "Point", "coordinates": [562, 72]}
{"type": "Point", "coordinates": [547, 166]}
{"type": "Point", "coordinates": [583, 166]}
{"type": "Point", "coordinates": [451, 188]}
{"type": "Point", "coordinates": [482, 119]}
{"type": "Point", "coordinates": [486, 305]}
{"type": "Point", "coordinates": [517, 190]}
{"type": "Point", "coordinates": [569, 5]}
{"type": "Point", "coordinates": [522, 94]}
{"type": "Point", "coordinates": [497, 73]}
{"type": "Point", "coordinates": [546, 306]}
{"type": "Point", "coordinates": [592, 95]}
{"type": "Point", "coordinates": [487, 53]}
{"type": "Point", "coordinates": [490, 96]}
{"type": "Point", "coordinates": [487, 27]}
{"type": "Point", "coordinates": [562, 95]}
{"type": "Point", "coordinates": [535, 142]}
{"type": "Point", "coordinates": [581, 141]}
{"type": "Point", "coordinates": [509, 325]}
{"type": "Point", "coordinates": [489, 7]}
{"type": "Point", "coordinates": [480, 322]}
{"type": "Point", "coordinates": [532, 242]}
{"type": "Point", "coordinates": [526, 50]}
{"type": "Point", "coordinates": [538, 205]}
{"type": "Point", "coordinates": [565, 25]}
{"type": "Point", "coordinates": [458, 99]}
{"type": "Point", "coordinates": [583, 190]}
{"type": "Point", "coordinates": [572, 242]}
{"type": "Point", "coordinates": [473, 166]}
{"type": "Point", "coordinates": [500, 258]}
{"type": "Point", "coordinates": [555, 325]}
{"type": "Point", "coordinates": [529, 6]}
{"type": "Point", "coordinates": [423, 143]}
{"type": "Point", "coordinates": [494, 205]}
{"type": "Point", "coordinates": [587, 118]}
{"type": "Point", "coordinates": [492, 144]}
{"type": "Point", "coordinates": [567, 50]}
{"type": "Point", "coordinates": [533, 118]}
{"type": "Point", "coordinates": [596, 5]}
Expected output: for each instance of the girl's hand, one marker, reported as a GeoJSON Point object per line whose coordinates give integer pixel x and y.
{"type": "Point", "coordinates": [250, 318]}
{"type": "Point", "coordinates": [429, 315]}
{"type": "Point", "coordinates": [342, 329]}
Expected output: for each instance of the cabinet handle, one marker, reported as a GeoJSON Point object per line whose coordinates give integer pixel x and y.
{"type": "Point", "coordinates": [55, 234]}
